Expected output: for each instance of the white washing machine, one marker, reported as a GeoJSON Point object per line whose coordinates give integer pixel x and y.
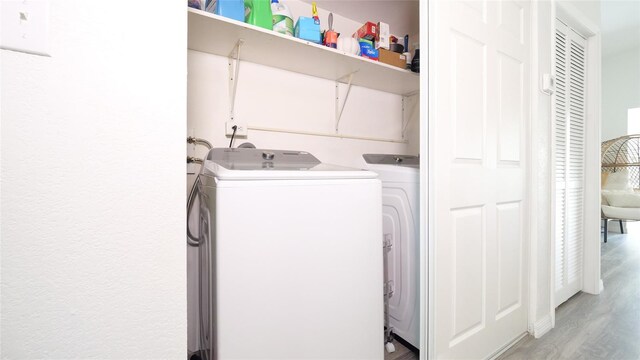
{"type": "Point", "coordinates": [288, 268]}
{"type": "Point", "coordinates": [400, 176]}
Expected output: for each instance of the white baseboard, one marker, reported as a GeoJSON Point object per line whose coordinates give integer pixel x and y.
{"type": "Point", "coordinates": [506, 347]}
{"type": "Point", "coordinates": [542, 326]}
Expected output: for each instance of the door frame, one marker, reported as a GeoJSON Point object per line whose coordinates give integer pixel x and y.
{"type": "Point", "coordinates": [427, 339]}
{"type": "Point", "coordinates": [536, 165]}
{"type": "Point", "coordinates": [591, 279]}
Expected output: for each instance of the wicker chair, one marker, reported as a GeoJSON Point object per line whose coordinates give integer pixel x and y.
{"type": "Point", "coordinates": [620, 154]}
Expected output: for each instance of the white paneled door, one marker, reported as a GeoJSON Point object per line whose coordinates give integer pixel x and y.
{"type": "Point", "coordinates": [480, 119]}
{"type": "Point", "coordinates": [569, 157]}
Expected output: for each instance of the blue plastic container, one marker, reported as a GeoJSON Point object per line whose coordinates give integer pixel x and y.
{"type": "Point", "coordinates": [233, 9]}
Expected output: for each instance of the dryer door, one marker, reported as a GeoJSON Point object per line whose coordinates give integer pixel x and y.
{"type": "Point", "coordinates": [401, 283]}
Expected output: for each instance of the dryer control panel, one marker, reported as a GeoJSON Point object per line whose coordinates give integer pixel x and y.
{"type": "Point", "coordinates": [387, 159]}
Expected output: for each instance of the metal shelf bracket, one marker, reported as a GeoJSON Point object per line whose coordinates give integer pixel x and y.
{"type": "Point", "coordinates": [406, 118]}
{"type": "Point", "coordinates": [340, 108]}
{"type": "Point", "coordinates": [234, 72]}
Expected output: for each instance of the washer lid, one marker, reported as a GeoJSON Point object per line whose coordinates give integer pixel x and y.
{"type": "Point", "coordinates": [261, 164]}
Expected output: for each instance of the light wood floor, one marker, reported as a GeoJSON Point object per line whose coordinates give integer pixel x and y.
{"type": "Point", "coordinates": [596, 327]}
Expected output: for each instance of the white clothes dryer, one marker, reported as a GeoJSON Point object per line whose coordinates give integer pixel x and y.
{"type": "Point", "coordinates": [288, 268]}
{"type": "Point", "coordinates": [400, 176]}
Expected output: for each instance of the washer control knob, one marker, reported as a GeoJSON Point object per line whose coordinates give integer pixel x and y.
{"type": "Point", "coordinates": [268, 155]}
{"type": "Point", "coordinates": [398, 159]}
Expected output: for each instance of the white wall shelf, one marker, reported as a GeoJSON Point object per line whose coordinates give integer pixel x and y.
{"type": "Point", "coordinates": [218, 35]}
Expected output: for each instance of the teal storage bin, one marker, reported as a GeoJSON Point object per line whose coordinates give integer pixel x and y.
{"type": "Point", "coordinates": [233, 9]}
{"type": "Point", "coordinates": [307, 29]}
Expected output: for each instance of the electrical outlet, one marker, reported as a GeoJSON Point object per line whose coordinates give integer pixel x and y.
{"type": "Point", "coordinates": [241, 131]}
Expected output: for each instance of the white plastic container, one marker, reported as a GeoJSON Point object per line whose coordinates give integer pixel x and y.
{"type": "Point", "coordinates": [282, 18]}
{"type": "Point", "coordinates": [348, 45]}
{"type": "Point", "coordinates": [382, 36]}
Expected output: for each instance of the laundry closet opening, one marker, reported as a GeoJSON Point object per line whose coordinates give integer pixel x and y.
{"type": "Point", "coordinates": [304, 228]}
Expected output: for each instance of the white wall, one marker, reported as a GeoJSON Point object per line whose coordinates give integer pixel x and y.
{"type": "Point", "coordinates": [589, 8]}
{"type": "Point", "coordinates": [620, 91]}
{"type": "Point", "coordinates": [273, 98]}
{"type": "Point", "coordinates": [541, 163]}
{"type": "Point", "coordinates": [92, 155]}
{"type": "Point", "coordinates": [1, 282]}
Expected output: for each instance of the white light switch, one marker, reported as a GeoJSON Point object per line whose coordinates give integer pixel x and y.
{"type": "Point", "coordinates": [548, 84]}
{"type": "Point", "coordinates": [25, 26]}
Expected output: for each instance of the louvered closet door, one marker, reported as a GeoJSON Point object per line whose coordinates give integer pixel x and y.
{"type": "Point", "coordinates": [569, 115]}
